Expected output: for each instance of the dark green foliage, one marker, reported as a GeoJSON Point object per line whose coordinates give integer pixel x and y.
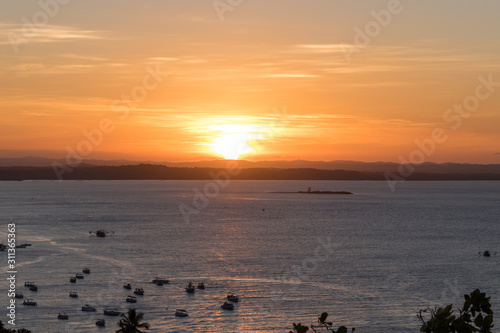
{"type": "Point", "coordinates": [322, 324]}
{"type": "Point", "coordinates": [475, 316]}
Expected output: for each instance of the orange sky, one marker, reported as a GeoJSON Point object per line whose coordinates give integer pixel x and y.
{"type": "Point", "coordinates": [283, 79]}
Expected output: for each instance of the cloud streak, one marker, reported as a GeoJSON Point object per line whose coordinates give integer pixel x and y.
{"type": "Point", "coordinates": [45, 34]}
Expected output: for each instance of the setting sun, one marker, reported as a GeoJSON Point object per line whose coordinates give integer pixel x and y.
{"type": "Point", "coordinates": [233, 140]}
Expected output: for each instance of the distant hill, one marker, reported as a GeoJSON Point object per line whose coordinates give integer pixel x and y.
{"type": "Point", "coordinates": [443, 168]}
{"type": "Point", "coordinates": [161, 172]}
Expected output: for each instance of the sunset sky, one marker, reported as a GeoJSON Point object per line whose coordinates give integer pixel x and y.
{"type": "Point", "coordinates": [284, 79]}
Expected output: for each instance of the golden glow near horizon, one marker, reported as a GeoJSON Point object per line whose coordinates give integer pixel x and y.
{"type": "Point", "coordinates": [233, 140]}
{"type": "Point", "coordinates": [366, 81]}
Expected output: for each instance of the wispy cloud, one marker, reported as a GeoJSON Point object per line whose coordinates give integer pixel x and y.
{"type": "Point", "coordinates": [289, 75]}
{"type": "Point", "coordinates": [47, 34]}
{"type": "Point", "coordinates": [162, 59]}
{"type": "Point", "coordinates": [321, 48]}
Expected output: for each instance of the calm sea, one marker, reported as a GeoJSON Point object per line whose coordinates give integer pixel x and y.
{"type": "Point", "coordinates": [371, 260]}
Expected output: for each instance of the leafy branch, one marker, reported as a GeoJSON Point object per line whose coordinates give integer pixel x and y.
{"type": "Point", "coordinates": [475, 316]}
{"type": "Point", "coordinates": [322, 324]}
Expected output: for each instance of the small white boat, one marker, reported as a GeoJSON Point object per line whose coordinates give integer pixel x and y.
{"type": "Point", "coordinates": [62, 315]}
{"type": "Point", "coordinates": [227, 306]}
{"type": "Point", "coordinates": [29, 302]}
{"type": "Point", "coordinates": [100, 322]}
{"type": "Point", "coordinates": [86, 270]}
{"type": "Point", "coordinates": [19, 295]}
{"type": "Point", "coordinates": [127, 286]}
{"type": "Point", "coordinates": [233, 297]}
{"type": "Point", "coordinates": [73, 294]}
{"type": "Point", "coordinates": [181, 313]}
{"type": "Point", "coordinates": [88, 308]}
{"type": "Point", "coordinates": [79, 276]}
{"type": "Point", "coordinates": [190, 288]}
{"type": "Point", "coordinates": [111, 312]}
{"type": "Point", "coordinates": [131, 299]}
{"type": "Point", "coordinates": [139, 291]}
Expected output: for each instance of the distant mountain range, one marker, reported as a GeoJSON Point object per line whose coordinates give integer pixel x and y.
{"type": "Point", "coordinates": [438, 168]}
{"type": "Point", "coordinates": [39, 168]}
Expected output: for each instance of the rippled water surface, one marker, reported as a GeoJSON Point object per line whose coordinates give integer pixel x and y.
{"type": "Point", "coordinates": [371, 259]}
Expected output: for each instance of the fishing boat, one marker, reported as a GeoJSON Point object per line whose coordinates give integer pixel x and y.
{"type": "Point", "coordinates": [101, 233]}
{"type": "Point", "coordinates": [73, 294]}
{"type": "Point", "coordinates": [227, 306]}
{"type": "Point", "coordinates": [127, 286]}
{"type": "Point", "coordinates": [190, 288]}
{"type": "Point", "coordinates": [111, 312]}
{"type": "Point", "coordinates": [233, 297]}
{"type": "Point", "coordinates": [29, 302]}
{"type": "Point", "coordinates": [62, 315]}
{"type": "Point", "coordinates": [139, 291]}
{"type": "Point", "coordinates": [157, 280]}
{"type": "Point", "coordinates": [181, 313]}
{"type": "Point", "coordinates": [201, 286]}
{"type": "Point", "coordinates": [86, 270]}
{"type": "Point", "coordinates": [88, 308]}
{"type": "Point", "coordinates": [131, 299]}
{"type": "Point", "coordinates": [100, 322]}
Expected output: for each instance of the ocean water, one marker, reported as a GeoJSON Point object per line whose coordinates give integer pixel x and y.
{"type": "Point", "coordinates": [371, 260]}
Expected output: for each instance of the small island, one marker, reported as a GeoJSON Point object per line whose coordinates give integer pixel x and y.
{"type": "Point", "coordinates": [309, 191]}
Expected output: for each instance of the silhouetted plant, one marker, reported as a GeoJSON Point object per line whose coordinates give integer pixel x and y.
{"type": "Point", "coordinates": [298, 328]}
{"type": "Point", "coordinates": [475, 316]}
{"type": "Point", "coordinates": [131, 322]}
{"type": "Point", "coordinates": [6, 330]}
{"type": "Point", "coordinates": [322, 324]}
